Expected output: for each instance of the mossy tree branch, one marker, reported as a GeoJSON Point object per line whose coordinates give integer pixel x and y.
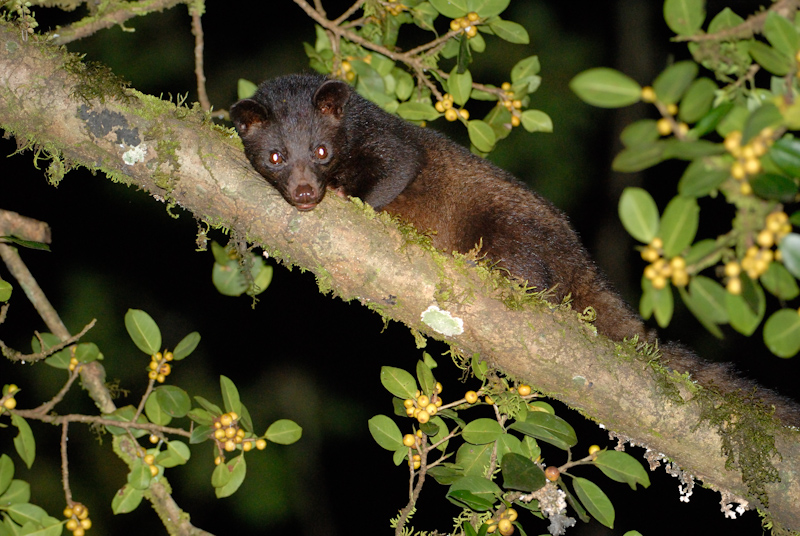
{"type": "Point", "coordinates": [177, 156]}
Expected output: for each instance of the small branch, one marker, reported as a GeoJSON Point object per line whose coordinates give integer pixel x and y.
{"type": "Point", "coordinates": [23, 227]}
{"type": "Point", "coordinates": [104, 421]}
{"type": "Point", "coordinates": [45, 408]}
{"type": "Point", "coordinates": [197, 30]}
{"type": "Point", "coordinates": [346, 15]}
{"type": "Point", "coordinates": [14, 355]}
{"type": "Point", "coordinates": [753, 25]}
{"type": "Point", "coordinates": [65, 463]}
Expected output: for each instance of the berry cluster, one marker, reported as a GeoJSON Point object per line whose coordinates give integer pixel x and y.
{"type": "Point", "coordinates": [229, 435]}
{"type": "Point", "coordinates": [504, 524]}
{"type": "Point", "coordinates": [445, 106]}
{"type": "Point", "coordinates": [747, 156]}
{"type": "Point", "coordinates": [73, 363]}
{"type": "Point", "coordinates": [150, 460]}
{"type": "Point", "coordinates": [8, 401]}
{"type": "Point", "coordinates": [467, 24]}
{"type": "Point", "coordinates": [159, 366]}
{"type": "Point", "coordinates": [345, 71]}
{"type": "Point", "coordinates": [422, 407]}
{"type": "Point", "coordinates": [659, 271]}
{"type": "Point", "coordinates": [667, 124]}
{"type": "Point", "coordinates": [511, 104]}
{"type": "Point", "coordinates": [78, 521]}
{"type": "Point", "coordinates": [395, 7]}
{"type": "Point", "coordinates": [758, 257]}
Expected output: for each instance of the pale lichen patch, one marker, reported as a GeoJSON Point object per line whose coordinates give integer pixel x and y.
{"type": "Point", "coordinates": [442, 321]}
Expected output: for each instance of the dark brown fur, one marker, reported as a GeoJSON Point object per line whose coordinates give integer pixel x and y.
{"type": "Point", "coordinates": [326, 136]}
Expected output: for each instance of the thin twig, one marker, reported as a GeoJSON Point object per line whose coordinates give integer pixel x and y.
{"type": "Point", "coordinates": [197, 31]}
{"type": "Point", "coordinates": [65, 463]}
{"type": "Point", "coordinates": [346, 15]}
{"type": "Point", "coordinates": [13, 355]}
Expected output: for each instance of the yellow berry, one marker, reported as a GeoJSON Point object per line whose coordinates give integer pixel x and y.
{"type": "Point", "coordinates": [650, 254]}
{"type": "Point", "coordinates": [648, 94]}
{"type": "Point", "coordinates": [472, 16]}
{"type": "Point", "coordinates": [664, 126]}
{"type": "Point", "coordinates": [157, 356]}
{"type": "Point", "coordinates": [234, 415]}
{"type": "Point", "coordinates": [86, 524]}
{"type": "Point", "coordinates": [594, 449]}
{"type": "Point", "coordinates": [471, 397]}
{"type": "Point", "coordinates": [515, 121]}
{"type": "Point", "coordinates": [419, 434]}
{"type": "Point", "coordinates": [165, 369]}
{"type": "Point", "coordinates": [659, 282]}
{"type": "Point", "coordinates": [230, 433]}
{"type": "Point", "coordinates": [149, 459]}
{"type": "Point", "coordinates": [455, 25]}
{"type": "Point", "coordinates": [153, 365]}
{"type": "Point", "coordinates": [505, 527]}
{"type": "Point", "coordinates": [68, 512]}
{"type": "Point", "coordinates": [431, 409]}
{"type": "Point", "coordinates": [72, 524]}
{"type": "Point", "coordinates": [161, 378]}
{"type": "Point", "coordinates": [79, 511]}
{"type": "Point", "coordinates": [423, 401]}
{"type": "Point", "coordinates": [745, 188]}
{"type": "Point", "coordinates": [552, 473]}
{"type": "Point", "coordinates": [218, 460]}
{"type": "Point", "coordinates": [247, 446]}
{"type": "Point", "coordinates": [505, 86]}
{"type": "Point", "coordinates": [672, 109]}
{"type": "Point", "coordinates": [734, 286]}
{"type": "Point", "coordinates": [78, 532]}
{"type": "Point", "coordinates": [680, 278]}
{"type": "Point", "coordinates": [732, 269]}
{"type": "Point", "coordinates": [410, 411]}
{"type": "Point", "coordinates": [261, 444]}
{"type": "Point", "coordinates": [471, 31]}
{"type": "Point", "coordinates": [153, 470]}
{"type": "Point", "coordinates": [524, 390]}
{"type": "Point", "coordinates": [765, 238]}
{"type": "Point", "coordinates": [230, 446]}
{"type": "Point", "coordinates": [657, 243]}
{"type": "Point", "coordinates": [451, 114]}
{"type": "Point", "coordinates": [737, 171]}
{"type": "Point", "coordinates": [225, 419]}
{"type": "Point", "coordinates": [423, 417]}
{"type": "Point", "coordinates": [10, 403]}
{"type": "Point", "coordinates": [168, 356]}
{"type": "Point", "coordinates": [733, 141]}
{"type": "Point", "coordinates": [408, 403]}
{"type": "Point", "coordinates": [464, 113]}
{"type": "Point", "coordinates": [152, 374]}
{"type": "Point", "coordinates": [677, 263]}
{"type": "Point", "coordinates": [409, 440]}
{"type": "Point", "coordinates": [439, 106]}
{"type": "Point", "coordinates": [752, 165]}
{"type": "Point", "coordinates": [511, 514]}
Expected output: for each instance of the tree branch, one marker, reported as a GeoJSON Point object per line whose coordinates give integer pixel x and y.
{"type": "Point", "coordinates": [363, 256]}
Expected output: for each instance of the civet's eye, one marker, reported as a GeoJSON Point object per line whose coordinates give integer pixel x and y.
{"type": "Point", "coordinates": [321, 151]}
{"type": "Point", "coordinates": [275, 158]}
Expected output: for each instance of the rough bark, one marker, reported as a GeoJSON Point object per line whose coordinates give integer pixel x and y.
{"type": "Point", "coordinates": [176, 155]}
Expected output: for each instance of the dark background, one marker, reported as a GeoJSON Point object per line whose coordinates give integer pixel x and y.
{"type": "Point", "coordinates": [301, 355]}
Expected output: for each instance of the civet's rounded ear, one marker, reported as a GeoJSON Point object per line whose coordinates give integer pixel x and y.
{"type": "Point", "coordinates": [246, 113]}
{"type": "Point", "coordinates": [331, 98]}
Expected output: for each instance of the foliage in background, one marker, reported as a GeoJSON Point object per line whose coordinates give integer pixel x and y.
{"type": "Point", "coordinates": [736, 128]}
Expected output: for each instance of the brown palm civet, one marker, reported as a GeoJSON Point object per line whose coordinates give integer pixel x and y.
{"type": "Point", "coordinates": [306, 133]}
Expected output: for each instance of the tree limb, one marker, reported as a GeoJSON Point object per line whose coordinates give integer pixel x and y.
{"type": "Point", "coordinates": [176, 155]}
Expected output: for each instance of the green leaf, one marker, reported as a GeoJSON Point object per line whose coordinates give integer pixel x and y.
{"type": "Point", "coordinates": [770, 59]}
{"type": "Point", "coordinates": [474, 492]}
{"type": "Point", "coordinates": [177, 453]}
{"type": "Point", "coordinates": [126, 499]}
{"type": "Point", "coordinates": [642, 132]}
{"type": "Point", "coordinates": [230, 395]}
{"type": "Point", "coordinates": [684, 17]}
{"type": "Point", "coordinates": [606, 88]}
{"type": "Point", "coordinates": [143, 331]}
{"type": "Point", "coordinates": [595, 501]}
{"type": "Point", "coordinates": [6, 473]}
{"type": "Point", "coordinates": [18, 491]}
{"type": "Point", "coordinates": [245, 89]}
{"type": "Point", "coordinates": [679, 225]}
{"type": "Point", "coordinates": [487, 8]}
{"type": "Point", "coordinates": [473, 459]}
{"type": "Point", "coordinates": [536, 121]}
{"type": "Point", "coordinates": [520, 473]}
{"type": "Point", "coordinates": [701, 177]}
{"type": "Point", "coordinates": [482, 431]}
{"type": "Point", "coordinates": [451, 8]}
{"type": "Point", "coordinates": [405, 82]}
{"type": "Point", "coordinates": [785, 153]}
{"type": "Point", "coordinates": [712, 119]}
{"type": "Point", "coordinates": [460, 85]}
{"type": "Point", "coordinates": [671, 84]}
{"type": "Point", "coordinates": [417, 111]}
{"type": "Point", "coordinates": [23, 441]}
{"type": "Point", "coordinates": [125, 414]}
{"type": "Point", "coordinates": [779, 282]}
{"type": "Point", "coordinates": [186, 346]}
{"type": "Point", "coordinates": [776, 187]}
{"type": "Point", "coordinates": [201, 416]}
{"type": "Point", "coordinates": [510, 31]}
{"type": "Point", "coordinates": [139, 476]}
{"type": "Point", "coordinates": [782, 333]}
{"type": "Point", "coordinates": [781, 34]}
{"type": "Point", "coordinates": [697, 101]}
{"type": "Point", "coordinates": [385, 432]}
{"type": "Point", "coordinates": [622, 467]}
{"type": "Point", "coordinates": [790, 253]}
{"type": "Point", "coordinates": [663, 304]}
{"type": "Point", "coordinates": [767, 115]}
{"type": "Point", "coordinates": [639, 157]}
{"type": "Point", "coordinates": [481, 135]}
{"type": "Point", "coordinates": [746, 310]}
{"type": "Point", "coordinates": [398, 382]}
{"type": "Point", "coordinates": [155, 412]}
{"type": "Point", "coordinates": [30, 244]}
{"type": "Point", "coordinates": [525, 68]}
{"type": "Point", "coordinates": [237, 469]}
{"type": "Point", "coordinates": [284, 432]}
{"type": "Point", "coordinates": [548, 428]}
{"type": "Point", "coordinates": [427, 383]}
{"type": "Point", "coordinates": [200, 434]}
{"type": "Point", "coordinates": [5, 290]}
{"type": "Point", "coordinates": [23, 513]}
{"type": "Point", "coordinates": [173, 400]}
{"type": "Point", "coordinates": [710, 299]}
{"type": "Point", "coordinates": [639, 214]}
{"type": "Point", "coordinates": [691, 149]}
